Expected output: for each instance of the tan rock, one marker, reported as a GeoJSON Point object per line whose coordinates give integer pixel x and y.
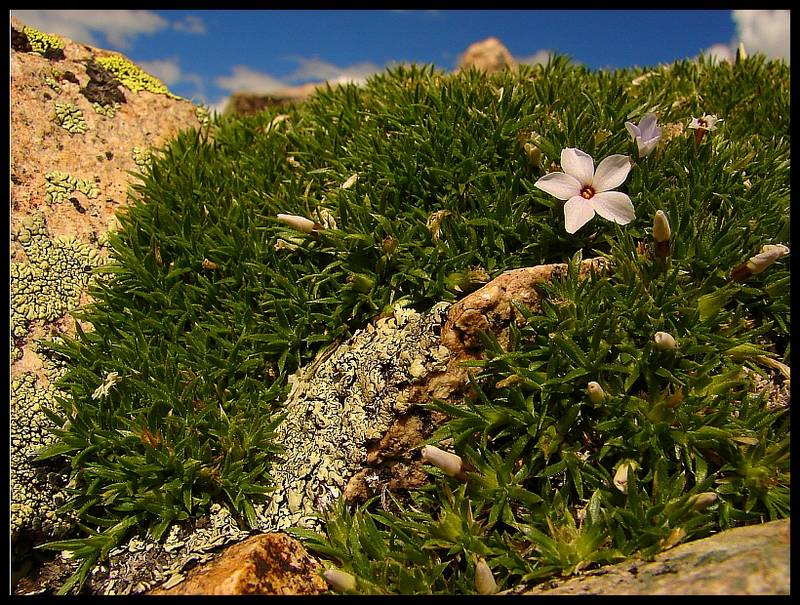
{"type": "Point", "coordinates": [268, 564]}
{"type": "Point", "coordinates": [488, 55]}
{"type": "Point", "coordinates": [490, 308]}
{"type": "Point", "coordinates": [751, 560]}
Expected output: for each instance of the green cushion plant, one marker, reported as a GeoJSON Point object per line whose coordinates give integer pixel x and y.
{"type": "Point", "coordinates": [212, 302]}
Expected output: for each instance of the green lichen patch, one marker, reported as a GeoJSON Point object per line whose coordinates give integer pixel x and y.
{"type": "Point", "coordinates": [50, 284]}
{"type": "Point", "coordinates": [141, 157]}
{"type": "Point", "coordinates": [133, 77]}
{"type": "Point", "coordinates": [70, 118]}
{"type": "Point", "coordinates": [49, 46]}
{"type": "Point", "coordinates": [37, 489]}
{"type": "Point", "coordinates": [108, 111]}
{"type": "Point", "coordinates": [52, 83]}
{"type": "Point", "coordinates": [60, 186]}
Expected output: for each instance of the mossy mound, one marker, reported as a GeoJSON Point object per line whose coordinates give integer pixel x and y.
{"type": "Point", "coordinates": [214, 301]}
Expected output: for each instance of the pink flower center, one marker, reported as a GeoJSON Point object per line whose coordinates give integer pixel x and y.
{"type": "Point", "coordinates": [702, 123]}
{"type": "Point", "coordinates": [587, 193]}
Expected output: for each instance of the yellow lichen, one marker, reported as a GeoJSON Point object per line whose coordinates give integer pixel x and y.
{"type": "Point", "coordinates": [132, 76]}
{"type": "Point", "coordinates": [40, 42]}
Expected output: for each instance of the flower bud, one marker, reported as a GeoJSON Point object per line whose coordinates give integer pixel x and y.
{"type": "Point", "coordinates": [768, 255]}
{"type": "Point", "coordinates": [484, 580]}
{"type": "Point", "coordinates": [741, 53]}
{"type": "Point", "coordinates": [665, 341]}
{"type": "Point", "coordinates": [661, 234]}
{"type": "Point", "coordinates": [702, 501]}
{"type": "Point", "coordinates": [450, 464]}
{"type": "Point", "coordinates": [758, 263]}
{"type": "Point", "coordinates": [534, 154]}
{"type": "Point", "coordinates": [340, 581]}
{"type": "Point", "coordinates": [621, 476]}
{"type": "Point", "coordinates": [300, 223]}
{"type": "Point", "coordinates": [389, 245]}
{"type": "Point", "coordinates": [661, 230]}
{"type": "Point", "coordinates": [596, 392]}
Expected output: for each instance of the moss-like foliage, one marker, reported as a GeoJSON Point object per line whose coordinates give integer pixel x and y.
{"type": "Point", "coordinates": [131, 76]}
{"type": "Point", "coordinates": [214, 302]}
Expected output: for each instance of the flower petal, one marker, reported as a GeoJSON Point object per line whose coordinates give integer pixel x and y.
{"type": "Point", "coordinates": [648, 125]}
{"type": "Point", "coordinates": [577, 212]}
{"type": "Point", "coordinates": [611, 172]}
{"type": "Point", "coordinates": [558, 184]}
{"type": "Point", "coordinates": [645, 147]}
{"type": "Point", "coordinates": [614, 206]}
{"type": "Point", "coordinates": [578, 164]}
{"type": "Point", "coordinates": [633, 129]}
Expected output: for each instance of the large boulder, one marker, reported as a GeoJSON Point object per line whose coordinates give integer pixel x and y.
{"type": "Point", "coordinates": [488, 55]}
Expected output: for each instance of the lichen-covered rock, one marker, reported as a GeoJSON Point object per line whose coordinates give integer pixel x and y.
{"type": "Point", "coordinates": [340, 404]}
{"type": "Point", "coordinates": [751, 560]}
{"type": "Point", "coordinates": [269, 564]}
{"type": "Point", "coordinates": [37, 491]}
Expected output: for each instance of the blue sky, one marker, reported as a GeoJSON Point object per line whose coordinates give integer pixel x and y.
{"type": "Point", "coordinates": [209, 54]}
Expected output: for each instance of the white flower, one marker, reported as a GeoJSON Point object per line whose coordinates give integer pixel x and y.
{"type": "Point", "coordinates": [706, 122]}
{"type": "Point", "coordinates": [647, 134]}
{"type": "Point", "coordinates": [588, 191]}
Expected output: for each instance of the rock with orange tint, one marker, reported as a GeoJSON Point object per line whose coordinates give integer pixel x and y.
{"type": "Point", "coordinates": [268, 564]}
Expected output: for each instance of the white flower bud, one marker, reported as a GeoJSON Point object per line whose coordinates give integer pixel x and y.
{"type": "Point", "coordinates": [703, 501]}
{"type": "Point", "coordinates": [665, 341]}
{"type": "Point", "coordinates": [661, 230]}
{"type": "Point", "coordinates": [340, 581]}
{"type": "Point", "coordinates": [768, 255]}
{"type": "Point", "coordinates": [300, 223]}
{"type": "Point", "coordinates": [449, 464]}
{"type": "Point", "coordinates": [484, 580]}
{"type": "Point", "coordinates": [621, 476]}
{"type": "Point", "coordinates": [596, 392]}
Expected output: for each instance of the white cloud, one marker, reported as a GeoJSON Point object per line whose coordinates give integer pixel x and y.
{"type": "Point", "coordinates": [191, 24]}
{"type": "Point", "coordinates": [118, 27]}
{"type": "Point", "coordinates": [245, 79]}
{"type": "Point", "coordinates": [720, 52]}
{"type": "Point", "coordinates": [761, 31]}
{"type": "Point", "coordinates": [765, 31]}
{"type": "Point", "coordinates": [540, 56]}
{"type": "Point", "coordinates": [170, 73]}
{"type": "Point", "coordinates": [249, 80]}
{"type": "Point", "coordinates": [317, 70]}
